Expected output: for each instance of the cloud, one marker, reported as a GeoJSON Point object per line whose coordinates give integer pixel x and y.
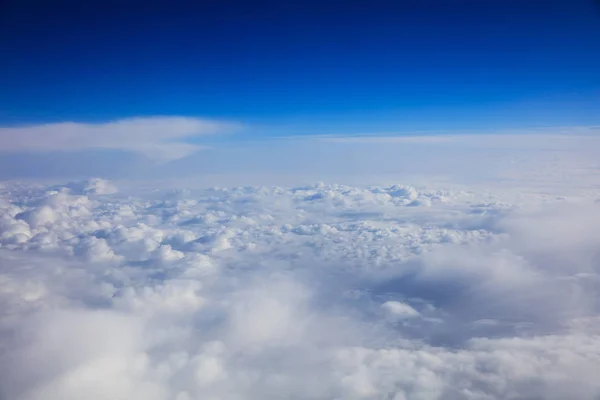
{"type": "Point", "coordinates": [156, 137]}
{"type": "Point", "coordinates": [134, 290]}
{"type": "Point", "coordinates": [128, 149]}
{"type": "Point", "coordinates": [557, 138]}
{"type": "Point", "coordinates": [529, 158]}
{"type": "Point", "coordinates": [402, 310]}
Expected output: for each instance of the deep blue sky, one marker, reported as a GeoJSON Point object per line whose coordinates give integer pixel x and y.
{"type": "Point", "coordinates": [301, 66]}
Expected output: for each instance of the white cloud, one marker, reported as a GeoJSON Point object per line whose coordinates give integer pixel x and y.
{"type": "Point", "coordinates": [561, 138]}
{"type": "Point", "coordinates": [399, 309]}
{"type": "Point", "coordinates": [155, 137]}
{"type": "Point", "coordinates": [531, 159]}
{"type": "Point", "coordinates": [120, 150]}
{"type": "Point", "coordinates": [318, 291]}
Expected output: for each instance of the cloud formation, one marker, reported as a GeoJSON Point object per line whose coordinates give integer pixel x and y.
{"type": "Point", "coordinates": [311, 292]}
{"type": "Point", "coordinates": [156, 137]}
{"type": "Point", "coordinates": [536, 137]}
{"type": "Point", "coordinates": [128, 149]}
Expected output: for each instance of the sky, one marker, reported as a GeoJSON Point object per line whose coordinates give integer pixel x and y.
{"type": "Point", "coordinates": [302, 67]}
{"type": "Point", "coordinates": [376, 200]}
{"type": "Point", "coordinates": [125, 89]}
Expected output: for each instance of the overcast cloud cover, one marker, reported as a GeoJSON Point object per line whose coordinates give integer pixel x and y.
{"type": "Point", "coordinates": [479, 280]}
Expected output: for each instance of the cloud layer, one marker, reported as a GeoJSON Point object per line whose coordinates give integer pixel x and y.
{"type": "Point", "coordinates": [156, 137]}
{"type": "Point", "coordinates": [313, 292]}
{"type": "Point", "coordinates": [129, 149]}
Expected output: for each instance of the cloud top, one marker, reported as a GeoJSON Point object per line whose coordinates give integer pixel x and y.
{"type": "Point", "coordinates": [155, 137]}
{"type": "Point", "coordinates": [312, 292]}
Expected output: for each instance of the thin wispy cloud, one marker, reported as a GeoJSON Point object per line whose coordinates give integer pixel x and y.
{"type": "Point", "coordinates": [159, 138]}
{"type": "Point", "coordinates": [555, 137]}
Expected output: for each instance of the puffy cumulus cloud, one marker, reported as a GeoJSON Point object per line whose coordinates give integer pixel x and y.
{"type": "Point", "coordinates": [322, 291]}
{"type": "Point", "coordinates": [548, 367]}
{"type": "Point", "coordinates": [155, 137]}
{"type": "Point", "coordinates": [74, 354]}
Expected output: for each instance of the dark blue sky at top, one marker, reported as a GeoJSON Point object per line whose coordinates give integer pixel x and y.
{"type": "Point", "coordinates": [301, 66]}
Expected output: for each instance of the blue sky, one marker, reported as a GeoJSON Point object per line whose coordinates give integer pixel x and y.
{"type": "Point", "coordinates": [302, 67]}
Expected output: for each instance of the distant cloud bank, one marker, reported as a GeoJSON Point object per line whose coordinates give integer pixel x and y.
{"type": "Point", "coordinates": [155, 137]}
{"type": "Point", "coordinates": [560, 138]}
{"type": "Point", "coordinates": [168, 148]}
